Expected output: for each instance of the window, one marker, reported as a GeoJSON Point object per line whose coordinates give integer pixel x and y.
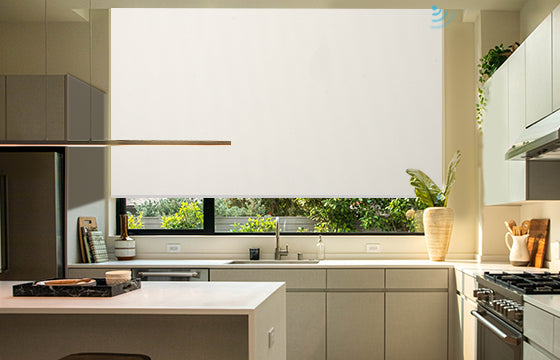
{"type": "Point", "coordinates": [151, 216]}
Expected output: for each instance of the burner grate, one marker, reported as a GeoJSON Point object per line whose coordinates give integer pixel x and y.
{"type": "Point", "coordinates": [527, 283]}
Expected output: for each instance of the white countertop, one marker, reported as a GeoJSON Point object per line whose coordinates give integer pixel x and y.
{"type": "Point", "coordinates": [226, 264]}
{"type": "Point", "coordinates": [549, 303]}
{"type": "Point", "coordinates": [174, 297]}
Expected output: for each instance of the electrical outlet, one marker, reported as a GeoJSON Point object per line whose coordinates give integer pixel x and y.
{"type": "Point", "coordinates": [173, 248]}
{"type": "Point", "coordinates": [555, 250]}
{"type": "Point", "coordinates": [271, 337]}
{"type": "Point", "coordinates": [373, 248]}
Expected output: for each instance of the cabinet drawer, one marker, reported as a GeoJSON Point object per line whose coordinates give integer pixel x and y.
{"type": "Point", "coordinates": [538, 326]}
{"type": "Point", "coordinates": [294, 278]}
{"type": "Point", "coordinates": [89, 273]}
{"type": "Point", "coordinates": [532, 353]}
{"type": "Point", "coordinates": [417, 278]}
{"type": "Point", "coordinates": [355, 278]}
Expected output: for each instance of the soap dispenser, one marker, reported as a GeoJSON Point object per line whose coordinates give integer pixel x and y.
{"type": "Point", "coordinates": [320, 249]}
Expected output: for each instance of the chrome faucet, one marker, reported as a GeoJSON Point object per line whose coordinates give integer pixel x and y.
{"type": "Point", "coordinates": [278, 253]}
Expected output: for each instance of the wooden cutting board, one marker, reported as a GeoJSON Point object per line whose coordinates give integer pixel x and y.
{"type": "Point", "coordinates": [536, 243]}
{"type": "Point", "coordinates": [90, 222]}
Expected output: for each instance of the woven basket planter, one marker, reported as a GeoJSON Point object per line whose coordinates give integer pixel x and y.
{"type": "Point", "coordinates": [438, 226]}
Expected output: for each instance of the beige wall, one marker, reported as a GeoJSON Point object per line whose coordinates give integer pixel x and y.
{"type": "Point", "coordinates": [533, 13]}
{"type": "Point", "coordinates": [498, 27]}
{"type": "Point", "coordinates": [460, 131]}
{"type": "Point", "coordinates": [493, 28]}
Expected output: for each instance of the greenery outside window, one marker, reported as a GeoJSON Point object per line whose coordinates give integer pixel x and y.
{"type": "Point", "coordinates": [160, 216]}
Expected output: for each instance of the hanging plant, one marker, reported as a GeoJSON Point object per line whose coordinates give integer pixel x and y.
{"type": "Point", "coordinates": [489, 63]}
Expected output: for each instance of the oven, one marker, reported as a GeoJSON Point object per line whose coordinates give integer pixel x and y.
{"type": "Point", "coordinates": [496, 340]}
{"type": "Point", "coordinates": [500, 308]}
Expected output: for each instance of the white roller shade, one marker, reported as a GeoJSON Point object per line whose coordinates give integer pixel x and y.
{"type": "Point", "coordinates": [316, 102]}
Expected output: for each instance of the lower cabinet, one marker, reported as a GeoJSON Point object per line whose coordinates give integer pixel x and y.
{"type": "Point", "coordinates": [305, 325]}
{"type": "Point", "coordinates": [469, 330]}
{"type": "Point", "coordinates": [416, 325]}
{"type": "Point", "coordinates": [355, 325]}
{"type": "Point", "coordinates": [532, 353]}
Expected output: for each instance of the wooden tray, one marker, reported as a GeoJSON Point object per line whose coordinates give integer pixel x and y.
{"type": "Point", "coordinates": [101, 289]}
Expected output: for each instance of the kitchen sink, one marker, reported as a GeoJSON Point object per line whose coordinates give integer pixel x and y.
{"type": "Point", "coordinates": [258, 262]}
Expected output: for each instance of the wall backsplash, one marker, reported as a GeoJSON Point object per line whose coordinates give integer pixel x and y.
{"type": "Point", "coordinates": [237, 247]}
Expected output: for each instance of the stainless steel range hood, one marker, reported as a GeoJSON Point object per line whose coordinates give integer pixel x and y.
{"type": "Point", "coordinates": [540, 141]}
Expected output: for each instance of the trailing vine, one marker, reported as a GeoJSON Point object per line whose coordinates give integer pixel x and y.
{"type": "Point", "coordinates": [489, 63]}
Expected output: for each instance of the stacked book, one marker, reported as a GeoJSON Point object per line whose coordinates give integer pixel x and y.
{"type": "Point", "coordinates": [96, 250]}
{"type": "Point", "coordinates": [92, 242]}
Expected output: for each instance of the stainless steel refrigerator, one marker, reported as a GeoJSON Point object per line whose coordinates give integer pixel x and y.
{"type": "Point", "coordinates": [31, 214]}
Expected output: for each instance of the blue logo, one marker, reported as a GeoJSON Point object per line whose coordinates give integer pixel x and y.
{"type": "Point", "coordinates": [440, 20]}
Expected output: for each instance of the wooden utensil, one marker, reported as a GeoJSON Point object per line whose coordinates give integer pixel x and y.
{"type": "Point", "coordinates": [510, 224]}
{"type": "Point", "coordinates": [508, 228]}
{"type": "Point", "coordinates": [525, 227]}
{"type": "Point", "coordinates": [536, 243]}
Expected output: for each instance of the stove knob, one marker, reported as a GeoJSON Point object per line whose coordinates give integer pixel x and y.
{"type": "Point", "coordinates": [500, 306]}
{"type": "Point", "coordinates": [477, 291]}
{"type": "Point", "coordinates": [514, 314]}
{"type": "Point", "coordinates": [484, 294]}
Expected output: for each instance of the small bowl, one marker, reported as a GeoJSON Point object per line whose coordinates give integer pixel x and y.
{"type": "Point", "coordinates": [117, 276]}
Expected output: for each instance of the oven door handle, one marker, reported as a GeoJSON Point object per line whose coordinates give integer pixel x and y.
{"type": "Point", "coordinates": [502, 335]}
{"type": "Point", "coordinates": [171, 274]}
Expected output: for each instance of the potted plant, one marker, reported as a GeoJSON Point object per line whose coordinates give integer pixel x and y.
{"type": "Point", "coordinates": [438, 218]}
{"type": "Point", "coordinates": [489, 63]}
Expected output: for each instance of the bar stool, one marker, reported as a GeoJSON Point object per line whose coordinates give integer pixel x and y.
{"type": "Point", "coordinates": [105, 356]}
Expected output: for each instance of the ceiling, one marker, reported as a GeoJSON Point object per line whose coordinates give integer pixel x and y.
{"type": "Point", "coordinates": [76, 10]}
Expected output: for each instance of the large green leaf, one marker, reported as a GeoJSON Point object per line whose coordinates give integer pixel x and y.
{"type": "Point", "coordinates": [450, 176]}
{"type": "Point", "coordinates": [424, 187]}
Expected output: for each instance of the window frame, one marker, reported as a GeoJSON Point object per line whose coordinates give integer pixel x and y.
{"type": "Point", "coordinates": [209, 226]}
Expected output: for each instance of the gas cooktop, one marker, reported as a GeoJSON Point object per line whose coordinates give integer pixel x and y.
{"type": "Point", "coordinates": [527, 283]}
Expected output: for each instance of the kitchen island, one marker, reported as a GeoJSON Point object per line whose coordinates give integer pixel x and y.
{"type": "Point", "coordinates": [164, 320]}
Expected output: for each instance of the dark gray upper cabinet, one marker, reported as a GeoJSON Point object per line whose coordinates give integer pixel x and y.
{"type": "Point", "coordinates": [51, 107]}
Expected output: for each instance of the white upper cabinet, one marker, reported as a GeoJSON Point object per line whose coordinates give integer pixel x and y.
{"type": "Point", "coordinates": [556, 59]}
{"type": "Point", "coordinates": [496, 139]}
{"type": "Point", "coordinates": [516, 120]}
{"type": "Point", "coordinates": [539, 72]}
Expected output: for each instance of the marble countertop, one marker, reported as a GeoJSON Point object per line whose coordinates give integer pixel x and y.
{"type": "Point", "coordinates": [181, 298]}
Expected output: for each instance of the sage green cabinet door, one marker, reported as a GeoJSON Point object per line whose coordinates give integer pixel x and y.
{"type": "Point", "coordinates": [2, 107]}
{"type": "Point", "coordinates": [416, 326]}
{"type": "Point", "coordinates": [305, 325]}
{"type": "Point", "coordinates": [538, 72]}
{"type": "Point", "coordinates": [26, 107]}
{"type": "Point", "coordinates": [355, 326]}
